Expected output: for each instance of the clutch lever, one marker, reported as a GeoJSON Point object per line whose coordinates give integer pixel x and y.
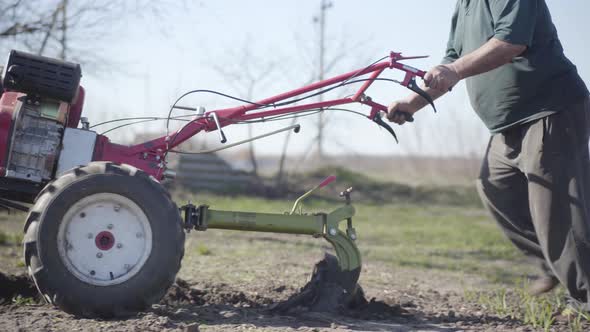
{"type": "Point", "coordinates": [378, 120]}
{"type": "Point", "coordinates": [412, 85]}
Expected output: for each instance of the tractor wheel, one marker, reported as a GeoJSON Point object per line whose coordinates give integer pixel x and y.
{"type": "Point", "coordinates": [103, 240]}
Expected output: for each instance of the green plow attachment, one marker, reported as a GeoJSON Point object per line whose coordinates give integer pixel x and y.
{"type": "Point", "coordinates": [344, 274]}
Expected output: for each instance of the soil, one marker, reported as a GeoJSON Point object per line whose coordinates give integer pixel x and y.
{"type": "Point", "coordinates": [203, 306]}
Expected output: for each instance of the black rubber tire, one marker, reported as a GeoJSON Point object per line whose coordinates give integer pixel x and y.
{"type": "Point", "coordinates": [62, 288]}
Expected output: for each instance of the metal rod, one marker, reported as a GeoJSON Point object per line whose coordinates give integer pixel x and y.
{"type": "Point", "coordinates": [219, 130]}
{"type": "Point", "coordinates": [361, 91]}
{"type": "Point", "coordinates": [291, 109]}
{"type": "Point", "coordinates": [186, 108]}
{"type": "Point", "coordinates": [294, 127]}
{"type": "Point", "coordinates": [13, 205]}
{"type": "Point", "coordinates": [265, 222]}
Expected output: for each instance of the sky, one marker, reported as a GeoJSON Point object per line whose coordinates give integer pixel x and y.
{"type": "Point", "coordinates": [155, 60]}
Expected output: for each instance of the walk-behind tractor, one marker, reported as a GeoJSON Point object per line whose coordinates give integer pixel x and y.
{"type": "Point", "coordinates": [103, 237]}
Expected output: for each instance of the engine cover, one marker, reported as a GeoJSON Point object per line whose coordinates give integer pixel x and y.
{"type": "Point", "coordinates": [35, 141]}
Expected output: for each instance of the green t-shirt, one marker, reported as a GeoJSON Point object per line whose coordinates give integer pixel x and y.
{"type": "Point", "coordinates": [539, 82]}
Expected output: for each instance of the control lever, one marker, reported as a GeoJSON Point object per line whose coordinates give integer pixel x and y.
{"type": "Point", "coordinates": [378, 120]}
{"type": "Point", "coordinates": [412, 85]}
{"type": "Point", "coordinates": [219, 130]}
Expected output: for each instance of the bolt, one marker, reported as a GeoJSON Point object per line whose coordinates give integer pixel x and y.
{"type": "Point", "coordinates": [89, 235]}
{"type": "Point", "coordinates": [82, 215]}
{"type": "Point", "coordinates": [92, 273]}
{"type": "Point", "coordinates": [117, 208]}
{"type": "Point", "coordinates": [332, 231]}
{"type": "Point", "coordinates": [85, 123]}
{"type": "Point", "coordinates": [119, 245]}
{"type": "Point", "coordinates": [110, 226]}
{"type": "Point", "coordinates": [99, 255]}
{"type": "Point", "coordinates": [138, 235]}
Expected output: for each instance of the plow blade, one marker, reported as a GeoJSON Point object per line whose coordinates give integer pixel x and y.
{"type": "Point", "coordinates": [333, 286]}
{"type": "Point", "coordinates": [334, 281]}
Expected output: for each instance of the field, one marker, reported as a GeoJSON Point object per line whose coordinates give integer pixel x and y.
{"type": "Point", "coordinates": [428, 266]}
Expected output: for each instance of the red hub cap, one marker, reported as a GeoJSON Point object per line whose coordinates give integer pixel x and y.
{"type": "Point", "coordinates": [104, 240]}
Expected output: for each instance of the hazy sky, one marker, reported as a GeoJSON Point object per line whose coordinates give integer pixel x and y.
{"type": "Point", "coordinates": [162, 58]}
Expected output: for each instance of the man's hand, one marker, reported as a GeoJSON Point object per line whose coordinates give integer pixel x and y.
{"type": "Point", "coordinates": [396, 112]}
{"type": "Point", "coordinates": [442, 78]}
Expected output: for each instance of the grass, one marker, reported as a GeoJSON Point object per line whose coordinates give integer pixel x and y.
{"type": "Point", "coordinates": [203, 250]}
{"type": "Point", "coordinates": [10, 238]}
{"type": "Point", "coordinates": [20, 300]}
{"type": "Point", "coordinates": [372, 190]}
{"type": "Point", "coordinates": [407, 235]}
{"type": "Point", "coordinates": [539, 312]}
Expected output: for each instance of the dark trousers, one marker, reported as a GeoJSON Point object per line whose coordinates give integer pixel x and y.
{"type": "Point", "coordinates": [535, 180]}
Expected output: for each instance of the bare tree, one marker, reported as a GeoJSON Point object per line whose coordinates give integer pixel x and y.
{"type": "Point", "coordinates": [63, 28]}
{"type": "Point", "coordinates": [340, 50]}
{"type": "Point", "coordinates": [247, 73]}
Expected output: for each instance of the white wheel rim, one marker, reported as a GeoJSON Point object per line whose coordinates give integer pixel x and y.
{"type": "Point", "coordinates": [104, 239]}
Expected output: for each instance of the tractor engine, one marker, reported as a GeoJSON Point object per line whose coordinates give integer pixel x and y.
{"type": "Point", "coordinates": [40, 108]}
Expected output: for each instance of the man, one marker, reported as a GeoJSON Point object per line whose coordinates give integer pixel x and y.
{"type": "Point", "coordinates": [535, 177]}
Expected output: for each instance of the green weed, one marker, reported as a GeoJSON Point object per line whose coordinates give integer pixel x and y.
{"type": "Point", "coordinates": [4, 238]}
{"type": "Point", "coordinates": [203, 250]}
{"type": "Point", "coordinates": [538, 312]}
{"type": "Point", "coordinates": [19, 300]}
{"type": "Point", "coordinates": [497, 302]}
{"type": "Point", "coordinates": [10, 239]}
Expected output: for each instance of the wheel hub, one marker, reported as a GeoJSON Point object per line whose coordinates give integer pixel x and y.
{"type": "Point", "coordinates": [104, 239]}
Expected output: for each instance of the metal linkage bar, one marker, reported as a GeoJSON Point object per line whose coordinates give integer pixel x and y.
{"type": "Point", "coordinates": [295, 128]}
{"type": "Point", "coordinates": [12, 205]}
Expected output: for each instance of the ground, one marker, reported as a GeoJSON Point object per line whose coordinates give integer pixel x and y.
{"type": "Point", "coordinates": [427, 267]}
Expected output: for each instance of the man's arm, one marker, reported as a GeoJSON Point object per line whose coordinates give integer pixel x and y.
{"type": "Point", "coordinates": [414, 102]}
{"type": "Point", "coordinates": [489, 56]}
{"type": "Point", "coordinates": [440, 79]}
{"type": "Point", "coordinates": [514, 26]}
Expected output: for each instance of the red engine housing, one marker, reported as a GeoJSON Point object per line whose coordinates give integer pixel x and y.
{"type": "Point", "coordinates": [11, 103]}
